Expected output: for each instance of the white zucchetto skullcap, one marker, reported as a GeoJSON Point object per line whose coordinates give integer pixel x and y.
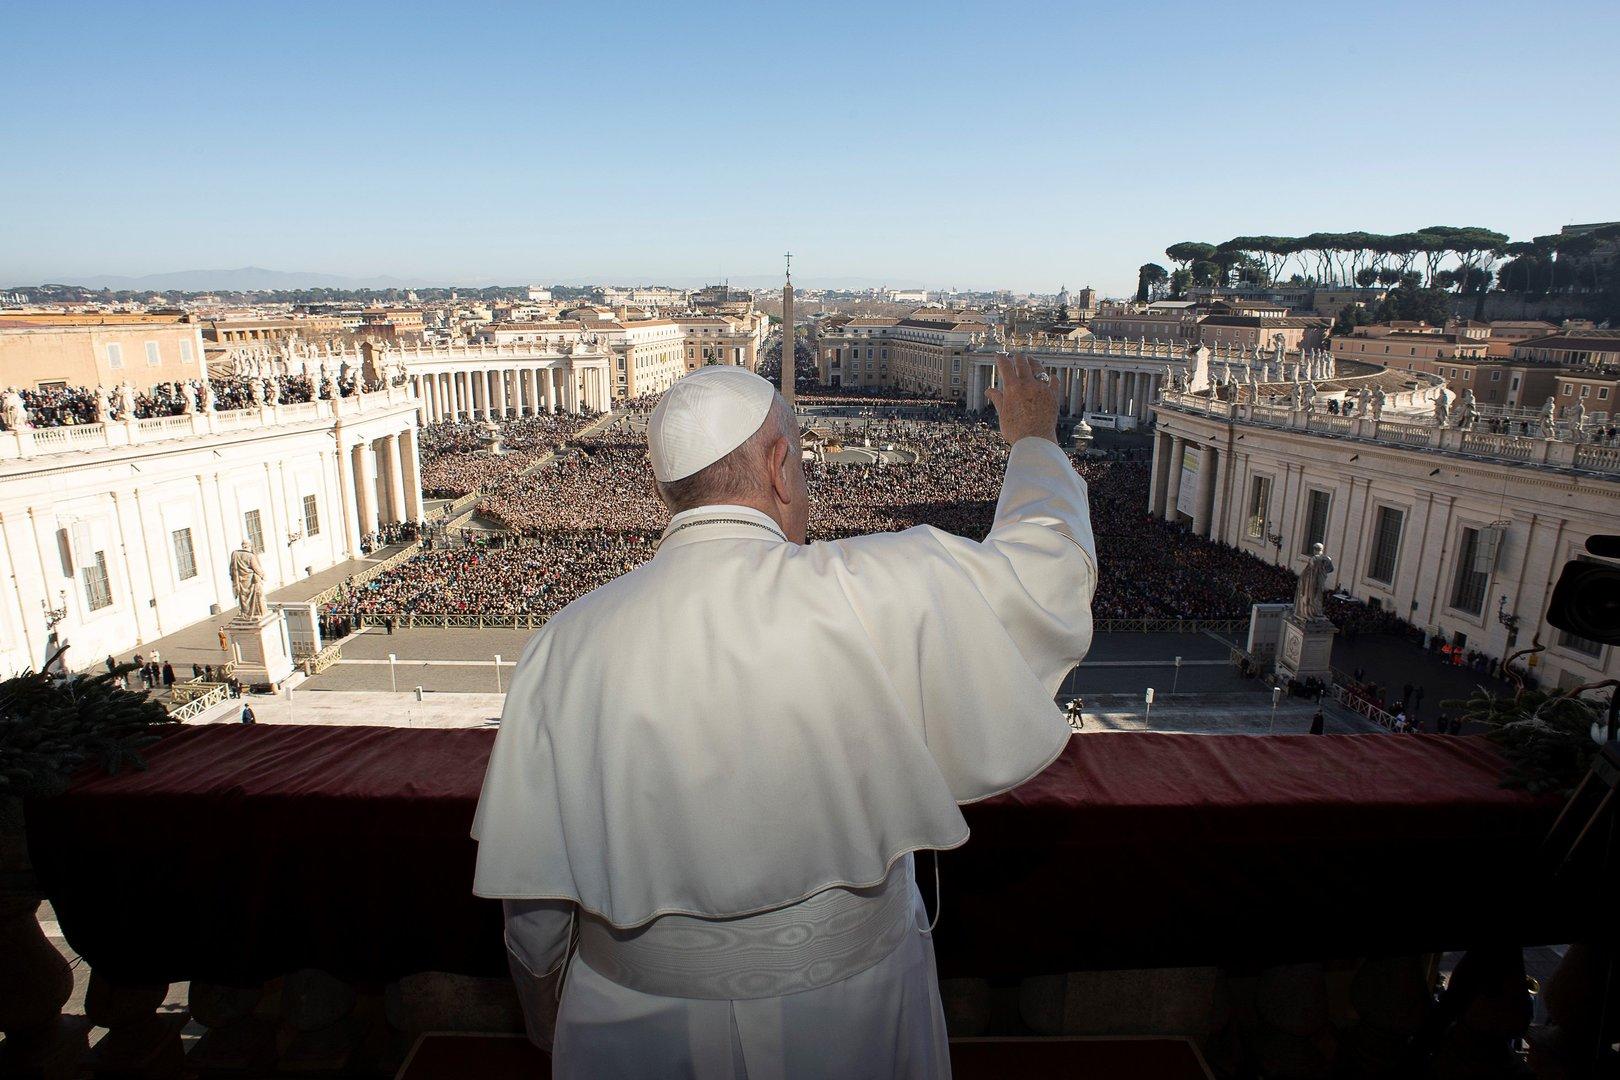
{"type": "Point", "coordinates": [705, 416]}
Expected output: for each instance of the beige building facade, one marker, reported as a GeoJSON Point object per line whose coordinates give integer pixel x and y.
{"type": "Point", "coordinates": [1462, 534]}
{"type": "Point", "coordinates": [34, 356]}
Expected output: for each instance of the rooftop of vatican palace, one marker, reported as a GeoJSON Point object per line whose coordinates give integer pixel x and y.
{"type": "Point", "coordinates": [304, 900]}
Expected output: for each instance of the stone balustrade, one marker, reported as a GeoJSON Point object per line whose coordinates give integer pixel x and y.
{"type": "Point", "coordinates": [31, 442]}
{"type": "Point", "coordinates": [1553, 448]}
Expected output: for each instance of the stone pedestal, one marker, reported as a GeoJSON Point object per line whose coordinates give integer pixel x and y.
{"type": "Point", "coordinates": [1306, 648]}
{"type": "Point", "coordinates": [259, 647]}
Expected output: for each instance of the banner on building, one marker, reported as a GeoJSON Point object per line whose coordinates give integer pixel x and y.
{"type": "Point", "coordinates": [1187, 496]}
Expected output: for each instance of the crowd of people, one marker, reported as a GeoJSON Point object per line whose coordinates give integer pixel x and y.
{"type": "Point", "coordinates": [456, 459]}
{"type": "Point", "coordinates": [592, 513]}
{"type": "Point", "coordinates": [69, 406]}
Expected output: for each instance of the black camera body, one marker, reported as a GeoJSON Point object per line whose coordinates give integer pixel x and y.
{"type": "Point", "coordinates": [1586, 600]}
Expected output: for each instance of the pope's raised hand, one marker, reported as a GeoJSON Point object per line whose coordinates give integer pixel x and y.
{"type": "Point", "coordinates": [1026, 401]}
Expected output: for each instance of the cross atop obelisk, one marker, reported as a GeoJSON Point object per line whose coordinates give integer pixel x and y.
{"type": "Point", "coordinates": [787, 334]}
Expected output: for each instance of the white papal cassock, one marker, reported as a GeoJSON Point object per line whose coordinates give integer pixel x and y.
{"type": "Point", "coordinates": [711, 774]}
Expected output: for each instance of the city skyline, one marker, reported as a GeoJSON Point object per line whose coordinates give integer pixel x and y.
{"type": "Point", "coordinates": [1025, 151]}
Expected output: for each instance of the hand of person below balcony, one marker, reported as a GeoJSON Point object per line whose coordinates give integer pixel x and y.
{"type": "Point", "coordinates": [1026, 403]}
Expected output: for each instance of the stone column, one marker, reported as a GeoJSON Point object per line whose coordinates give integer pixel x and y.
{"type": "Point", "coordinates": [393, 479]}
{"type": "Point", "coordinates": [1172, 488]}
{"type": "Point", "coordinates": [570, 390]}
{"type": "Point", "coordinates": [1076, 387]}
{"type": "Point", "coordinates": [348, 506]}
{"type": "Point", "coordinates": [1204, 506]}
{"type": "Point", "coordinates": [500, 394]}
{"type": "Point", "coordinates": [365, 482]}
{"type": "Point", "coordinates": [1157, 483]}
{"type": "Point", "coordinates": [411, 464]}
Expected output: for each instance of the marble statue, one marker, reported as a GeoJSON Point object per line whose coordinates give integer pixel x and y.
{"type": "Point", "coordinates": [104, 408]}
{"type": "Point", "coordinates": [273, 389]}
{"type": "Point", "coordinates": [12, 410]}
{"type": "Point", "coordinates": [208, 402]}
{"type": "Point", "coordinates": [256, 392]}
{"type": "Point", "coordinates": [188, 399]}
{"type": "Point", "coordinates": [1440, 410]}
{"type": "Point", "coordinates": [1577, 422]}
{"type": "Point", "coordinates": [247, 581]}
{"type": "Point", "coordinates": [1378, 403]}
{"type": "Point", "coordinates": [1308, 602]}
{"type": "Point", "coordinates": [126, 402]}
{"type": "Point", "coordinates": [1362, 398]}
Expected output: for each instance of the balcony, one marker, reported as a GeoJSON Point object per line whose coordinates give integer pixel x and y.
{"type": "Point", "coordinates": [1279, 900]}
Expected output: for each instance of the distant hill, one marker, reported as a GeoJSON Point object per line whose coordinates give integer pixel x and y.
{"type": "Point", "coordinates": [244, 279]}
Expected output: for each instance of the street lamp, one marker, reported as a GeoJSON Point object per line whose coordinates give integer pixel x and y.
{"type": "Point", "coordinates": [1176, 681]}
{"type": "Point", "coordinates": [1276, 696]}
{"type": "Point", "coordinates": [393, 685]}
{"type": "Point", "coordinates": [498, 673]}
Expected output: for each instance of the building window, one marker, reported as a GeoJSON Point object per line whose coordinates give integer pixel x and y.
{"type": "Point", "coordinates": [97, 592]}
{"type": "Point", "coordinates": [1496, 376]}
{"type": "Point", "coordinates": [1576, 643]}
{"type": "Point", "coordinates": [1468, 579]}
{"type": "Point", "coordinates": [1603, 393]}
{"type": "Point", "coordinates": [255, 530]}
{"type": "Point", "coordinates": [1568, 390]}
{"type": "Point", "coordinates": [1316, 518]}
{"type": "Point", "coordinates": [185, 556]}
{"type": "Point", "coordinates": [312, 517]}
{"type": "Point", "coordinates": [153, 357]}
{"type": "Point", "coordinates": [115, 355]}
{"type": "Point", "coordinates": [1259, 506]}
{"type": "Point", "coordinates": [1585, 390]}
{"type": "Point", "coordinates": [1386, 544]}
{"type": "Point", "coordinates": [186, 354]}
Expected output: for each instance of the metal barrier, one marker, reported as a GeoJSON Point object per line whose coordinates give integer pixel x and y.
{"type": "Point", "coordinates": [200, 704]}
{"type": "Point", "coordinates": [319, 662]}
{"type": "Point", "coordinates": [1355, 703]}
{"type": "Point", "coordinates": [1169, 626]}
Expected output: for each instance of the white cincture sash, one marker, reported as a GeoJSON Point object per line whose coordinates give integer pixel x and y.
{"type": "Point", "coordinates": [831, 936]}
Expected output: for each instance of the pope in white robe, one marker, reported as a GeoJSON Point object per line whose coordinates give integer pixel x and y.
{"type": "Point", "coordinates": [713, 772]}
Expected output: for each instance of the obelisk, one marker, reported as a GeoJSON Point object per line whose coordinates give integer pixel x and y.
{"type": "Point", "coordinates": [787, 335]}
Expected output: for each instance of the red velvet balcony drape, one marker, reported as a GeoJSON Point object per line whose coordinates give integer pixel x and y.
{"type": "Point", "coordinates": [246, 852]}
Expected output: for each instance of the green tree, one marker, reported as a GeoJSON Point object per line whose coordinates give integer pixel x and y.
{"type": "Point", "coordinates": [1179, 281]}
{"type": "Point", "coordinates": [1149, 277]}
{"type": "Point", "coordinates": [1188, 252]}
{"type": "Point", "coordinates": [1351, 316]}
{"type": "Point", "coordinates": [1367, 277]}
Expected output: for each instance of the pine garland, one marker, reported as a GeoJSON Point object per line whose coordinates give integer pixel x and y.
{"type": "Point", "coordinates": [51, 726]}
{"type": "Point", "coordinates": [1545, 735]}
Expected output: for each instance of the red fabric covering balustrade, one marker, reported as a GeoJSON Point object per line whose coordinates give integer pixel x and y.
{"type": "Point", "coordinates": [244, 852]}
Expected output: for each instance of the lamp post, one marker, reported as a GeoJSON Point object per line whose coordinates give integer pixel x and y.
{"type": "Point", "coordinates": [498, 673]}
{"type": "Point", "coordinates": [1176, 680]}
{"type": "Point", "coordinates": [393, 685]}
{"type": "Point", "coordinates": [1148, 713]}
{"type": "Point", "coordinates": [1276, 696]}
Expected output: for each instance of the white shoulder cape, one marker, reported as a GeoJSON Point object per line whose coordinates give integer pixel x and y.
{"type": "Point", "coordinates": [743, 722]}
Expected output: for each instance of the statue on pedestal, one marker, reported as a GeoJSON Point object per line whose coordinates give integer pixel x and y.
{"type": "Point", "coordinates": [104, 409]}
{"type": "Point", "coordinates": [126, 402]}
{"type": "Point", "coordinates": [207, 388]}
{"type": "Point", "coordinates": [1308, 603]}
{"type": "Point", "coordinates": [188, 399]}
{"type": "Point", "coordinates": [1363, 397]}
{"type": "Point", "coordinates": [1378, 403]}
{"type": "Point", "coordinates": [12, 410]}
{"type": "Point", "coordinates": [256, 392]}
{"type": "Point", "coordinates": [1440, 410]}
{"type": "Point", "coordinates": [247, 581]}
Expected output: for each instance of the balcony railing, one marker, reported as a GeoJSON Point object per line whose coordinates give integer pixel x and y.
{"type": "Point", "coordinates": [30, 442]}
{"type": "Point", "coordinates": [313, 885]}
{"type": "Point", "coordinates": [1553, 449]}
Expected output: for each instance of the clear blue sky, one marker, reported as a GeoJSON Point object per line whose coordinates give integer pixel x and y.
{"type": "Point", "coordinates": [1021, 145]}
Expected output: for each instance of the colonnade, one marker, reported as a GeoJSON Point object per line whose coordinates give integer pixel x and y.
{"type": "Point", "coordinates": [379, 483]}
{"type": "Point", "coordinates": [464, 392]}
{"type": "Point", "coordinates": [1115, 391]}
{"type": "Point", "coordinates": [1177, 463]}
